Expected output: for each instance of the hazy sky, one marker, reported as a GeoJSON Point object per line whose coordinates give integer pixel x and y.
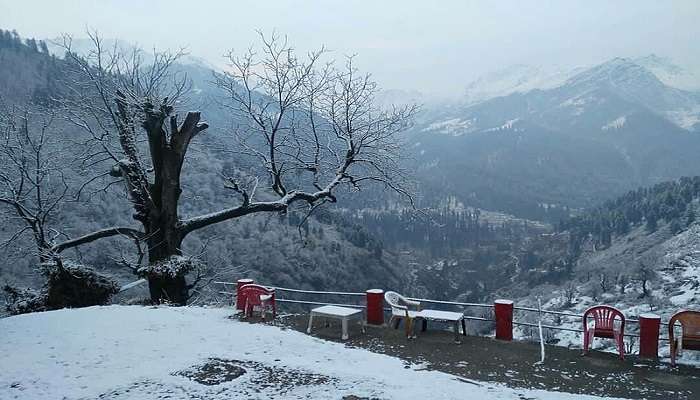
{"type": "Point", "coordinates": [432, 46]}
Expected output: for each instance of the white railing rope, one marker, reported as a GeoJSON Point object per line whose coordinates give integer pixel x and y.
{"type": "Point", "coordinates": [444, 302]}
{"type": "Point", "coordinates": [131, 285]}
{"type": "Point", "coordinates": [284, 289]}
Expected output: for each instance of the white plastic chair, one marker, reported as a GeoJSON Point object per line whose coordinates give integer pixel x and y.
{"type": "Point", "coordinates": [400, 311]}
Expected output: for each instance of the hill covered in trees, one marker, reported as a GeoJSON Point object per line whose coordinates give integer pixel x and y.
{"type": "Point", "coordinates": [672, 202]}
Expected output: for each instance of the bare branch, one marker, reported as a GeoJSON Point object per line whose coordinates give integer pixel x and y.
{"type": "Point", "coordinates": [311, 127]}
{"type": "Point", "coordinates": [102, 233]}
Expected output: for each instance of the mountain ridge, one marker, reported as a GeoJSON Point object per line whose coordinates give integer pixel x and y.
{"type": "Point", "coordinates": [604, 131]}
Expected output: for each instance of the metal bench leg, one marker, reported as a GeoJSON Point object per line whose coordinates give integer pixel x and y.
{"type": "Point", "coordinates": [425, 325]}
{"type": "Point", "coordinates": [464, 327]}
{"type": "Point", "coordinates": [311, 321]}
{"type": "Point", "coordinates": [345, 329]}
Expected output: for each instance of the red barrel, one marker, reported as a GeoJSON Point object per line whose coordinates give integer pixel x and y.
{"type": "Point", "coordinates": [240, 304]}
{"type": "Point", "coordinates": [649, 335]}
{"type": "Point", "coordinates": [375, 306]}
{"type": "Point", "coordinates": [503, 309]}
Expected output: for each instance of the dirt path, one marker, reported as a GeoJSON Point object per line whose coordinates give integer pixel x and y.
{"type": "Point", "coordinates": [513, 363]}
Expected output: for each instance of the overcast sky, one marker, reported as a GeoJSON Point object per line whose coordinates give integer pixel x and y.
{"type": "Point", "coordinates": [435, 47]}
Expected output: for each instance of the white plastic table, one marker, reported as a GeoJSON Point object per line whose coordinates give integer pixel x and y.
{"type": "Point", "coordinates": [455, 318]}
{"type": "Point", "coordinates": [344, 314]}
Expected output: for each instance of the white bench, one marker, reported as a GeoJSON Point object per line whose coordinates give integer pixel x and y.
{"type": "Point", "coordinates": [344, 314]}
{"type": "Point", "coordinates": [456, 318]}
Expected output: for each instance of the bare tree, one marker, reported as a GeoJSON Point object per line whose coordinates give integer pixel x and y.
{"type": "Point", "coordinates": [569, 294]}
{"type": "Point", "coordinates": [643, 275]}
{"type": "Point", "coordinates": [36, 183]}
{"type": "Point", "coordinates": [311, 128]}
{"type": "Point", "coordinates": [622, 280]}
{"type": "Point", "coordinates": [33, 184]}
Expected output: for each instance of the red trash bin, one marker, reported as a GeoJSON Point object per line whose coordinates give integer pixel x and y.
{"type": "Point", "coordinates": [649, 325]}
{"type": "Point", "coordinates": [503, 310]}
{"type": "Point", "coordinates": [375, 306]}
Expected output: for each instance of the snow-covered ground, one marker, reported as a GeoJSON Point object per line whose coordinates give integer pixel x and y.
{"type": "Point", "coordinates": [120, 352]}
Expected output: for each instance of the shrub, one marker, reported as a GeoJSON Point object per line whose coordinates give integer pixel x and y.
{"type": "Point", "coordinates": [22, 301]}
{"type": "Point", "coordinates": [74, 285]}
{"type": "Point", "coordinates": [68, 285]}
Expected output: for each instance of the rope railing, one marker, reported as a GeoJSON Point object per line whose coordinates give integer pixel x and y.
{"type": "Point", "coordinates": [132, 285]}
{"type": "Point", "coordinates": [452, 303]}
{"type": "Point", "coordinates": [319, 303]}
{"type": "Point", "coordinates": [422, 300]}
{"type": "Point", "coordinates": [283, 289]}
{"type": "Point", "coordinates": [313, 302]}
{"type": "Point", "coordinates": [561, 328]}
{"type": "Point", "coordinates": [567, 314]}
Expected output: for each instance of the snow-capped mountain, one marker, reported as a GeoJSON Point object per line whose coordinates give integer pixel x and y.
{"type": "Point", "coordinates": [670, 73]}
{"type": "Point", "coordinates": [519, 78]}
{"type": "Point", "coordinates": [637, 85]}
{"type": "Point", "coordinates": [595, 96]}
{"type": "Point", "coordinates": [626, 76]}
{"type": "Point", "coordinates": [602, 131]}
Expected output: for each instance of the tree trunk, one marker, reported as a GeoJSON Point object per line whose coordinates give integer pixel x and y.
{"type": "Point", "coordinates": [164, 243]}
{"type": "Point", "coordinates": [165, 239]}
{"type": "Point", "coordinates": [165, 289]}
{"type": "Point", "coordinates": [156, 203]}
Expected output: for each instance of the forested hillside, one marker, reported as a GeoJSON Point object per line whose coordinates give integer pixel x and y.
{"type": "Point", "coordinates": [670, 202]}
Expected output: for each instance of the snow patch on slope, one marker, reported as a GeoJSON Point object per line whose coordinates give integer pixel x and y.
{"type": "Point", "coordinates": [686, 119]}
{"type": "Point", "coordinates": [682, 267]}
{"type": "Point", "coordinates": [615, 124]}
{"type": "Point", "coordinates": [452, 127]}
{"type": "Point", "coordinates": [506, 125]}
{"type": "Point", "coordinates": [670, 73]}
{"type": "Point", "coordinates": [577, 104]}
{"type": "Point", "coordinates": [515, 79]}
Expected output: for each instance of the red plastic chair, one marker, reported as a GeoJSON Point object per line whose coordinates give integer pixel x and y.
{"type": "Point", "coordinates": [690, 336]}
{"type": "Point", "coordinates": [256, 296]}
{"type": "Point", "coordinates": [605, 318]}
